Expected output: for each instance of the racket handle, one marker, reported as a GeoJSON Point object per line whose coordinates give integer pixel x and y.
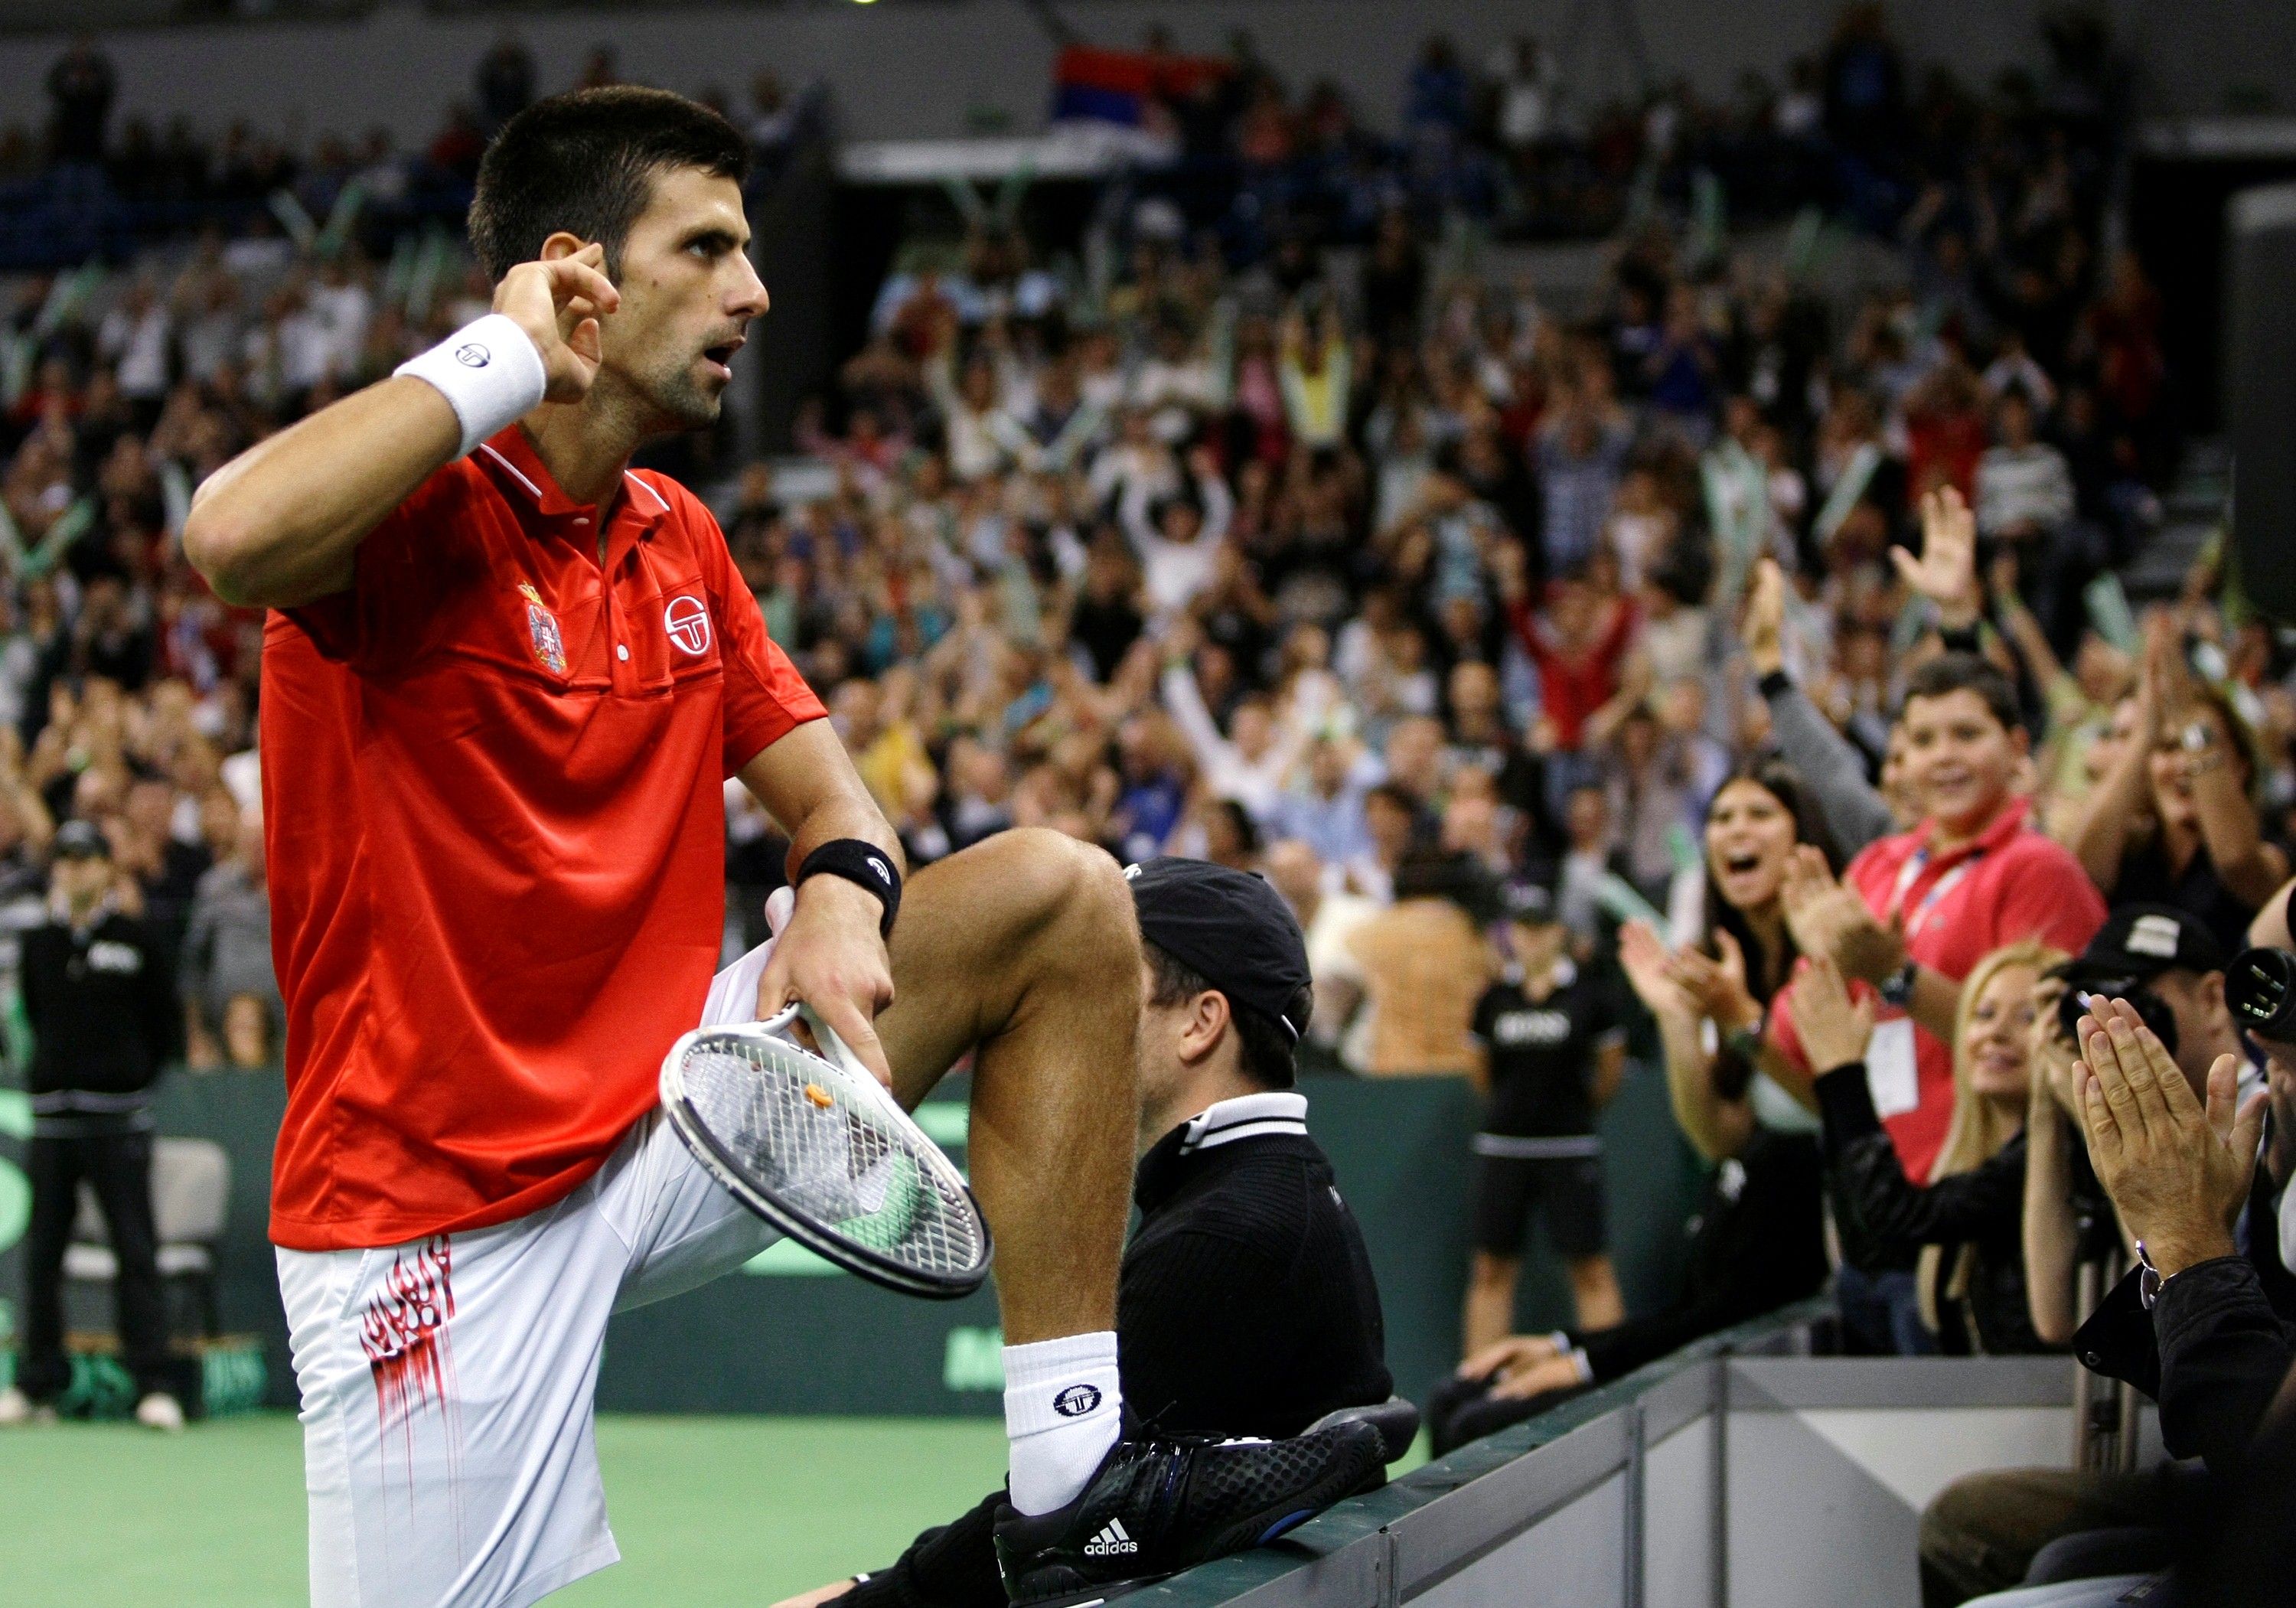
{"type": "Point", "coordinates": [836, 1049]}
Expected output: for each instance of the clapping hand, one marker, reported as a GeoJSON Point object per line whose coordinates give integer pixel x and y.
{"type": "Point", "coordinates": [1717, 987]}
{"type": "Point", "coordinates": [1828, 918]}
{"type": "Point", "coordinates": [1646, 962]}
{"type": "Point", "coordinates": [1834, 1030]}
{"type": "Point", "coordinates": [2177, 1169]}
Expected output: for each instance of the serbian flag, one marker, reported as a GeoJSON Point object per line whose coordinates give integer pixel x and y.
{"type": "Point", "coordinates": [1092, 84]}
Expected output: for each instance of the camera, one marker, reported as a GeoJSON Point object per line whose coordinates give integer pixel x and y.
{"type": "Point", "coordinates": [2260, 992]}
{"type": "Point", "coordinates": [2076, 1002]}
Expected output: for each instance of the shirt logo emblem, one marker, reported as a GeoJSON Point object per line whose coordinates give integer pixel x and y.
{"type": "Point", "coordinates": [473, 356]}
{"type": "Point", "coordinates": [688, 625]}
{"type": "Point", "coordinates": [105, 956]}
{"type": "Point", "coordinates": [542, 630]}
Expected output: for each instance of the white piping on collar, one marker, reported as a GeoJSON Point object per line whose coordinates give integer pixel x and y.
{"type": "Point", "coordinates": [649, 490]}
{"type": "Point", "coordinates": [1245, 1116]}
{"type": "Point", "coordinates": [487, 448]}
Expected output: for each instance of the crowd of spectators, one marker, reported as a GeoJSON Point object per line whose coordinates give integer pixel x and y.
{"type": "Point", "coordinates": [1717, 635]}
{"type": "Point", "coordinates": [1530, 139]}
{"type": "Point", "coordinates": [1758, 654]}
{"type": "Point", "coordinates": [89, 183]}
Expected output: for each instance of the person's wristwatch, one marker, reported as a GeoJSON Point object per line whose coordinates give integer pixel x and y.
{"type": "Point", "coordinates": [1896, 990]}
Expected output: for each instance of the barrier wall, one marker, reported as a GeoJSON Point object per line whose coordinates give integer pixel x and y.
{"type": "Point", "coordinates": [1737, 1473]}
{"type": "Point", "coordinates": [793, 1335]}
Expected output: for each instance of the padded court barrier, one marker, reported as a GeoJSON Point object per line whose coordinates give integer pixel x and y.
{"type": "Point", "coordinates": [1740, 1472]}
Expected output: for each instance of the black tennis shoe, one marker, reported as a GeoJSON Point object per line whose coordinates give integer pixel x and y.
{"type": "Point", "coordinates": [1161, 1504]}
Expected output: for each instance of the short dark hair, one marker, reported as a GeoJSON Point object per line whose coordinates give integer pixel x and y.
{"type": "Point", "coordinates": [1950, 673]}
{"type": "Point", "coordinates": [585, 163]}
{"type": "Point", "coordinates": [1395, 794]}
{"type": "Point", "coordinates": [1264, 1050]}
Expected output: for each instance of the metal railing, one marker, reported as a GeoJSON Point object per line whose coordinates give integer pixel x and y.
{"type": "Point", "coordinates": [1740, 1468]}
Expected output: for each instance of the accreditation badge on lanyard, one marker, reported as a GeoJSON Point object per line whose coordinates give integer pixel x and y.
{"type": "Point", "coordinates": [1892, 1061]}
{"type": "Point", "coordinates": [1910, 872]}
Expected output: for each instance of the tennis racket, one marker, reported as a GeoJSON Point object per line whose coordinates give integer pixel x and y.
{"type": "Point", "coordinates": [817, 1147]}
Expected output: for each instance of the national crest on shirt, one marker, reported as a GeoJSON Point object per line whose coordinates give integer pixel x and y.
{"type": "Point", "coordinates": [542, 628]}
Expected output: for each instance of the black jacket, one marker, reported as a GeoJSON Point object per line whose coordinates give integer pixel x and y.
{"type": "Point", "coordinates": [104, 1011]}
{"type": "Point", "coordinates": [2212, 1352]}
{"type": "Point", "coordinates": [1982, 1208]}
{"type": "Point", "coordinates": [1246, 1307]}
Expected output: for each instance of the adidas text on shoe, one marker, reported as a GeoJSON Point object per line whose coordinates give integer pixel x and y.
{"type": "Point", "coordinates": [1161, 1504]}
{"type": "Point", "coordinates": [1111, 1542]}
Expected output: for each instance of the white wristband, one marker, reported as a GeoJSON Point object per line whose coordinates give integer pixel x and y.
{"type": "Point", "coordinates": [489, 373]}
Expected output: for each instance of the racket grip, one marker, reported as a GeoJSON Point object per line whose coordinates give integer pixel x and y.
{"type": "Point", "coordinates": [836, 1049]}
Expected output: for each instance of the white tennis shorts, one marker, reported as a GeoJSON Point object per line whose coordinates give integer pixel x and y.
{"type": "Point", "coordinates": [447, 1384]}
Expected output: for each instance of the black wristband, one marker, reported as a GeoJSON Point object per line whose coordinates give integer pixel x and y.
{"type": "Point", "coordinates": [859, 861]}
{"type": "Point", "coordinates": [1962, 639]}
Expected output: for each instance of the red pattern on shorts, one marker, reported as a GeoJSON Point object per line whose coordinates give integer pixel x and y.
{"type": "Point", "coordinates": [404, 1331]}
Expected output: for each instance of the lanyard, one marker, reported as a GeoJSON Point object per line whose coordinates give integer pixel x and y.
{"type": "Point", "coordinates": [1910, 872]}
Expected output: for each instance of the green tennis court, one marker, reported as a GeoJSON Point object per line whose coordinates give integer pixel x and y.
{"type": "Point", "coordinates": [708, 1511]}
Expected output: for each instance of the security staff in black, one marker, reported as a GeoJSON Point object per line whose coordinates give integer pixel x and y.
{"type": "Point", "coordinates": [100, 998]}
{"type": "Point", "coordinates": [1554, 1052]}
{"type": "Point", "coordinates": [1246, 1304]}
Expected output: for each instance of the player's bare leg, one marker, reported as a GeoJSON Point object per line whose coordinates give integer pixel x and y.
{"type": "Point", "coordinates": [1594, 1291]}
{"type": "Point", "coordinates": [1490, 1301]}
{"type": "Point", "coordinates": [1026, 946]}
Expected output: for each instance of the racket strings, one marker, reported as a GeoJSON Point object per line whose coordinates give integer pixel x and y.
{"type": "Point", "coordinates": [807, 1136]}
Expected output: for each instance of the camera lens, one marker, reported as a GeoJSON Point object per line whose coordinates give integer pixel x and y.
{"type": "Point", "coordinates": [2260, 991]}
{"type": "Point", "coordinates": [2077, 1001]}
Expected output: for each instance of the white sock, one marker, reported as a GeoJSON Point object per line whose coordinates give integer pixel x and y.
{"type": "Point", "coordinates": [1063, 1411]}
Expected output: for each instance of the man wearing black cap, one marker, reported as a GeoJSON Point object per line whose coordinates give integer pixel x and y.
{"type": "Point", "coordinates": [1553, 1052]}
{"type": "Point", "coordinates": [1246, 1304]}
{"type": "Point", "coordinates": [101, 997]}
{"type": "Point", "coordinates": [1981, 1532]}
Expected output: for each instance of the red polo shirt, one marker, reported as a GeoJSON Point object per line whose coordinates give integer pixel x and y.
{"type": "Point", "coordinates": [2007, 884]}
{"type": "Point", "coordinates": [493, 786]}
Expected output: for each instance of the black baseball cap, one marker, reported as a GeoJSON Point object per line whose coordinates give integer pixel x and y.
{"type": "Point", "coordinates": [1229, 927]}
{"type": "Point", "coordinates": [81, 840]}
{"type": "Point", "coordinates": [2138, 942]}
{"type": "Point", "coordinates": [1530, 902]}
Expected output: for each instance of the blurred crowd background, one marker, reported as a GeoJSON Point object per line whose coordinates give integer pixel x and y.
{"type": "Point", "coordinates": [1277, 533]}
{"type": "Point", "coordinates": [1539, 641]}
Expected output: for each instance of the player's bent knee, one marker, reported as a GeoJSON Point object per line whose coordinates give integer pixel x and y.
{"type": "Point", "coordinates": [1070, 894]}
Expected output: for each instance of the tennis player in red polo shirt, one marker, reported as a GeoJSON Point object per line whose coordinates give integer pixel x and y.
{"type": "Point", "coordinates": [1915, 912]}
{"type": "Point", "coordinates": [504, 680]}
